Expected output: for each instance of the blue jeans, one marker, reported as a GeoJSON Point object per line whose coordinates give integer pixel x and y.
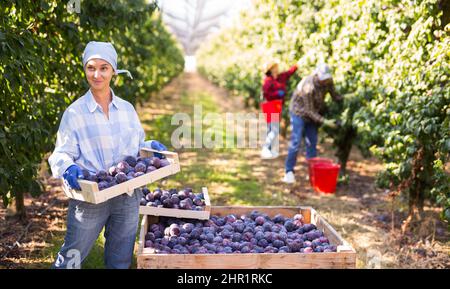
{"type": "Point", "coordinates": [85, 221]}
{"type": "Point", "coordinates": [301, 128]}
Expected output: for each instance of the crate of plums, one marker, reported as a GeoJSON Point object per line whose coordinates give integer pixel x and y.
{"type": "Point", "coordinates": [125, 176]}
{"type": "Point", "coordinates": [236, 237]}
{"type": "Point", "coordinates": [183, 203]}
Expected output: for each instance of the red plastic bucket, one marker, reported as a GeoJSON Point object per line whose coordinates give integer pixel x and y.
{"type": "Point", "coordinates": [325, 177]}
{"type": "Point", "coordinates": [312, 161]}
{"type": "Point", "coordinates": [272, 107]}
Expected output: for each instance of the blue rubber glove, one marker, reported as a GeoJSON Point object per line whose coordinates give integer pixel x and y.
{"type": "Point", "coordinates": [156, 145]}
{"type": "Point", "coordinates": [281, 93]}
{"type": "Point", "coordinates": [71, 175]}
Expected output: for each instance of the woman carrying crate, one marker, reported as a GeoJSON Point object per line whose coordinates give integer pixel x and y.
{"type": "Point", "coordinates": [274, 91]}
{"type": "Point", "coordinates": [96, 131]}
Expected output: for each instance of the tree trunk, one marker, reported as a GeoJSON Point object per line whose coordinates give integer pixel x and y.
{"type": "Point", "coordinates": [416, 197]}
{"type": "Point", "coordinates": [20, 206]}
{"type": "Point", "coordinates": [343, 150]}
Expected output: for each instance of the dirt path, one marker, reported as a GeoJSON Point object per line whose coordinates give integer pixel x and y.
{"type": "Point", "coordinates": [359, 211]}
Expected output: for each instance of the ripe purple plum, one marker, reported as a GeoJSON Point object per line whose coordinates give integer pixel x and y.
{"type": "Point", "coordinates": [323, 240]}
{"type": "Point", "coordinates": [198, 201]}
{"type": "Point", "coordinates": [289, 225]}
{"type": "Point", "coordinates": [103, 185]}
{"type": "Point", "coordinates": [147, 161]}
{"type": "Point", "coordinates": [230, 219]}
{"type": "Point", "coordinates": [149, 244]}
{"type": "Point", "coordinates": [86, 174]}
{"type": "Point", "coordinates": [263, 243]}
{"type": "Point", "coordinates": [245, 250]}
{"type": "Point", "coordinates": [247, 236]}
{"type": "Point", "coordinates": [101, 175]}
{"type": "Point", "coordinates": [188, 227]}
{"type": "Point", "coordinates": [150, 236]}
{"type": "Point", "coordinates": [267, 227]}
{"type": "Point", "coordinates": [186, 204]}
{"type": "Point", "coordinates": [164, 163]}
{"type": "Point", "coordinates": [174, 230]}
{"type": "Point", "coordinates": [157, 193]}
{"type": "Point", "coordinates": [260, 220]}
{"type": "Point", "coordinates": [156, 162]}
{"type": "Point", "coordinates": [138, 174]}
{"type": "Point", "coordinates": [112, 170]}
{"type": "Point", "coordinates": [284, 249]}
{"type": "Point", "coordinates": [149, 197]}
{"type": "Point", "coordinates": [259, 235]}
{"type": "Point", "coordinates": [175, 200]}
{"type": "Point", "coordinates": [121, 177]}
{"type": "Point", "coordinates": [140, 167]}
{"type": "Point", "coordinates": [123, 167]}
{"type": "Point", "coordinates": [279, 218]}
{"type": "Point", "coordinates": [146, 191]}
{"type": "Point", "coordinates": [167, 203]}
{"type": "Point", "coordinates": [299, 217]}
{"type": "Point", "coordinates": [130, 160]}
{"type": "Point", "coordinates": [239, 226]}
{"type": "Point", "coordinates": [236, 237]}
{"type": "Point", "coordinates": [278, 243]}
{"type": "Point", "coordinates": [308, 250]}
{"type": "Point", "coordinates": [150, 169]}
{"type": "Point", "coordinates": [182, 194]}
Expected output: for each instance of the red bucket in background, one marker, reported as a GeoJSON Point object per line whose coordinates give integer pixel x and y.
{"type": "Point", "coordinates": [272, 107]}
{"type": "Point", "coordinates": [312, 161]}
{"type": "Point", "coordinates": [325, 177]}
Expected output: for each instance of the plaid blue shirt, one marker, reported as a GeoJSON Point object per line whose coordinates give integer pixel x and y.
{"type": "Point", "coordinates": [86, 137]}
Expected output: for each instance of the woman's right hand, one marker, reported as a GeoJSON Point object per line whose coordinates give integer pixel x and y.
{"type": "Point", "coordinates": [71, 175]}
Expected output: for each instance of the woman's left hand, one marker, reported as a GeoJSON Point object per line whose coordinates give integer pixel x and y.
{"type": "Point", "coordinates": [156, 145]}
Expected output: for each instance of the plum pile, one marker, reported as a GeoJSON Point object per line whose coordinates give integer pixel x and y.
{"type": "Point", "coordinates": [184, 199]}
{"type": "Point", "coordinates": [125, 170]}
{"type": "Point", "coordinates": [252, 233]}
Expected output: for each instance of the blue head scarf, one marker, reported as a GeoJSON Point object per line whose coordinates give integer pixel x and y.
{"type": "Point", "coordinates": [105, 51]}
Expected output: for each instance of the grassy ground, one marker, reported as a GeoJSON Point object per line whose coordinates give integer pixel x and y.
{"type": "Point", "coordinates": [360, 212]}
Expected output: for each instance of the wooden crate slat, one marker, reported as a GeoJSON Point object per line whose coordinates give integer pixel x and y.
{"type": "Point", "coordinates": [246, 261]}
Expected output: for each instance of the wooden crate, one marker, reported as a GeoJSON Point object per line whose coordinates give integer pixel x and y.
{"type": "Point", "coordinates": [189, 214]}
{"type": "Point", "coordinates": [91, 193]}
{"type": "Point", "coordinates": [345, 257]}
